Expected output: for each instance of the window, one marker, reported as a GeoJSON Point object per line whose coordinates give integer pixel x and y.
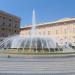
{"type": "Point", "coordinates": [65, 23]}
{"type": "Point", "coordinates": [1, 40]}
{"type": "Point", "coordinates": [3, 28]}
{"type": "Point", "coordinates": [39, 32]}
{"type": "Point", "coordinates": [2, 34]}
{"type": "Point", "coordinates": [3, 23]}
{"type": "Point", "coordinates": [15, 26]}
{"type": "Point", "coordinates": [73, 36]}
{"type": "Point", "coordinates": [9, 24]}
{"type": "Point", "coordinates": [44, 32]}
{"type": "Point", "coordinates": [3, 17]}
{"type": "Point", "coordinates": [28, 32]}
{"type": "Point", "coordinates": [16, 21]}
{"type": "Point", "coordinates": [56, 31]}
{"type": "Point", "coordinates": [9, 19]}
{"type": "Point", "coordinates": [65, 37]}
{"type": "Point", "coordinates": [74, 30]}
{"type": "Point", "coordinates": [65, 31]}
{"type": "Point", "coordinates": [15, 31]}
{"type": "Point", "coordinates": [9, 30]}
{"type": "Point", "coordinates": [48, 32]}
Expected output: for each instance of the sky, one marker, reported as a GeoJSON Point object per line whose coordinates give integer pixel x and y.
{"type": "Point", "coordinates": [46, 10]}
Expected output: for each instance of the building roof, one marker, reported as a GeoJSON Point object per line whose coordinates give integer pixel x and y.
{"type": "Point", "coordinates": [58, 21]}
{"type": "Point", "coordinates": [65, 19]}
{"type": "Point", "coordinates": [4, 12]}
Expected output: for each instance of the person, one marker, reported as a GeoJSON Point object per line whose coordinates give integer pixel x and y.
{"type": "Point", "coordinates": [8, 56]}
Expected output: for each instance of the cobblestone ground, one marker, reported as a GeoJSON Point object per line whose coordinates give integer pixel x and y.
{"type": "Point", "coordinates": [37, 65]}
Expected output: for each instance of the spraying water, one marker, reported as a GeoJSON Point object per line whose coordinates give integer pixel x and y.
{"type": "Point", "coordinates": [30, 42]}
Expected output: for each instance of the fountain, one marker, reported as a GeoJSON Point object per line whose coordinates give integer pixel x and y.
{"type": "Point", "coordinates": [33, 42]}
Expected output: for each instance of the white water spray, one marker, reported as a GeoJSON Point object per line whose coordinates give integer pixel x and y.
{"type": "Point", "coordinates": [33, 41]}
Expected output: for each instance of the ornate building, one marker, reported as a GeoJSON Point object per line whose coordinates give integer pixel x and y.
{"type": "Point", "coordinates": [9, 24]}
{"type": "Point", "coordinates": [62, 30]}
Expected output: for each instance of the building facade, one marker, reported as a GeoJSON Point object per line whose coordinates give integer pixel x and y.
{"type": "Point", "coordinates": [9, 24]}
{"type": "Point", "coordinates": [62, 30]}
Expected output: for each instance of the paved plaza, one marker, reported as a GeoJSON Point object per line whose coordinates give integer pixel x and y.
{"type": "Point", "coordinates": [37, 65]}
